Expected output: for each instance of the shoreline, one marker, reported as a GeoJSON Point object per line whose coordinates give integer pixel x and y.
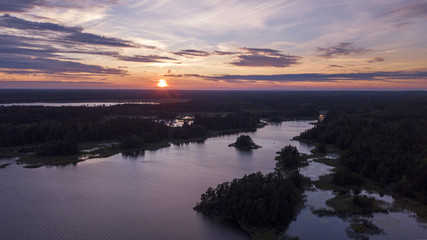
{"type": "Point", "coordinates": [103, 149]}
{"type": "Point", "coordinates": [325, 183]}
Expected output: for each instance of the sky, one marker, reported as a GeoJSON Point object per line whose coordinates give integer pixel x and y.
{"type": "Point", "coordinates": [214, 44]}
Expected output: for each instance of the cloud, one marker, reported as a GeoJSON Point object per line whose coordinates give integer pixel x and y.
{"type": "Point", "coordinates": [252, 57]}
{"type": "Point", "coordinates": [409, 10]}
{"type": "Point", "coordinates": [185, 75]}
{"type": "Point", "coordinates": [28, 65]}
{"type": "Point", "coordinates": [335, 66]}
{"type": "Point", "coordinates": [89, 38]}
{"type": "Point", "coordinates": [342, 49]}
{"type": "Point", "coordinates": [9, 21]}
{"type": "Point", "coordinates": [265, 61]}
{"type": "Point", "coordinates": [262, 51]}
{"type": "Point", "coordinates": [376, 59]}
{"type": "Point", "coordinates": [264, 57]}
{"type": "Point", "coordinates": [21, 55]}
{"type": "Point", "coordinates": [53, 84]}
{"type": "Point", "coordinates": [25, 46]}
{"type": "Point", "coordinates": [139, 58]}
{"type": "Point", "coordinates": [403, 24]}
{"type": "Point", "coordinates": [26, 5]}
{"type": "Point", "coordinates": [415, 76]}
{"type": "Point", "coordinates": [42, 48]}
{"type": "Point", "coordinates": [192, 53]}
{"type": "Point", "coordinates": [224, 53]}
{"type": "Point", "coordinates": [21, 46]}
{"type": "Point", "coordinates": [64, 34]}
{"type": "Point", "coordinates": [18, 5]}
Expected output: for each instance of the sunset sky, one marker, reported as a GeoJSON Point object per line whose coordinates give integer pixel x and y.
{"type": "Point", "coordinates": [215, 44]}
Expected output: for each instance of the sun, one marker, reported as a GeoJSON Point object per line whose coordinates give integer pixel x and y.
{"type": "Point", "coordinates": [162, 83]}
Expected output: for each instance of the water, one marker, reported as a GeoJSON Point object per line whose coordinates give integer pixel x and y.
{"type": "Point", "coordinates": [151, 196]}
{"type": "Point", "coordinates": [148, 197]}
{"type": "Point", "coordinates": [74, 104]}
{"type": "Point", "coordinates": [308, 226]}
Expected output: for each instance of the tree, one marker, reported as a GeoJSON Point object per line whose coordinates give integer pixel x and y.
{"type": "Point", "coordinates": [289, 157]}
{"type": "Point", "coordinates": [244, 142]}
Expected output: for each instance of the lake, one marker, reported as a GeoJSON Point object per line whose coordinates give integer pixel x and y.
{"type": "Point", "coordinates": [151, 196]}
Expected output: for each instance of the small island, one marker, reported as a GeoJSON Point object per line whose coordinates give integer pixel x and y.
{"type": "Point", "coordinates": [244, 142]}
{"type": "Point", "coordinates": [290, 158]}
{"type": "Point", "coordinates": [263, 205]}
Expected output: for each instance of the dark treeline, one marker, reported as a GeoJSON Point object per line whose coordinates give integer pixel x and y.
{"type": "Point", "coordinates": [387, 144]}
{"type": "Point", "coordinates": [274, 105]}
{"type": "Point", "coordinates": [228, 122]}
{"type": "Point", "coordinates": [256, 200]}
{"type": "Point", "coordinates": [58, 127]}
{"type": "Point", "coordinates": [61, 136]}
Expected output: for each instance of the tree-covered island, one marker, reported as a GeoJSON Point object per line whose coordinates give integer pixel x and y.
{"type": "Point", "coordinates": [290, 158]}
{"type": "Point", "coordinates": [244, 142]}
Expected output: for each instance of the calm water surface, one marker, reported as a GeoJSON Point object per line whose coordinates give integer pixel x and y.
{"type": "Point", "coordinates": [151, 196]}
{"type": "Point", "coordinates": [148, 197]}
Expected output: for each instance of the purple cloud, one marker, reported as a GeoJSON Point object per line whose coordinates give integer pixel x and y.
{"type": "Point", "coordinates": [89, 38]}
{"type": "Point", "coordinates": [415, 76]}
{"type": "Point", "coordinates": [335, 66]}
{"type": "Point", "coordinates": [73, 35]}
{"type": "Point", "coordinates": [265, 61]}
{"type": "Point", "coordinates": [52, 84]}
{"type": "Point", "coordinates": [376, 59]}
{"type": "Point", "coordinates": [262, 51]}
{"type": "Point", "coordinates": [26, 5]}
{"type": "Point", "coordinates": [223, 53]}
{"type": "Point", "coordinates": [28, 65]}
{"type": "Point", "coordinates": [139, 58]}
{"type": "Point", "coordinates": [410, 9]}
{"type": "Point", "coordinates": [342, 49]}
{"type": "Point", "coordinates": [21, 46]}
{"type": "Point", "coordinates": [264, 57]}
{"type": "Point", "coordinates": [253, 57]}
{"type": "Point", "coordinates": [9, 21]}
{"type": "Point", "coordinates": [192, 53]}
{"type": "Point", "coordinates": [42, 49]}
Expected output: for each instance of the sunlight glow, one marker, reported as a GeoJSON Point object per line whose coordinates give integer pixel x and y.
{"type": "Point", "coordinates": [162, 83]}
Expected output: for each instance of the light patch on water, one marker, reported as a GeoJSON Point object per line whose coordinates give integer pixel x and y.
{"type": "Point", "coordinates": [314, 170]}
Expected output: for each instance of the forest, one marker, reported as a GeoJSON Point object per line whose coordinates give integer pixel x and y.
{"type": "Point", "coordinates": [387, 144]}
{"type": "Point", "coordinates": [271, 105]}
{"type": "Point", "coordinates": [369, 126]}
{"type": "Point", "coordinates": [256, 200]}
{"type": "Point", "coordinates": [61, 137]}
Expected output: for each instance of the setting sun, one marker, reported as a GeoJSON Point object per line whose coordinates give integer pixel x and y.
{"type": "Point", "coordinates": [162, 83]}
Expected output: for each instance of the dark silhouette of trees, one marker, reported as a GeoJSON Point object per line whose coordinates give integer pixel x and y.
{"type": "Point", "coordinates": [58, 147]}
{"type": "Point", "coordinates": [289, 157]}
{"type": "Point", "coordinates": [387, 145]}
{"type": "Point", "coordinates": [60, 136]}
{"type": "Point", "coordinates": [244, 142]}
{"type": "Point", "coordinates": [343, 176]}
{"type": "Point", "coordinates": [227, 122]}
{"type": "Point", "coordinates": [256, 200]}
